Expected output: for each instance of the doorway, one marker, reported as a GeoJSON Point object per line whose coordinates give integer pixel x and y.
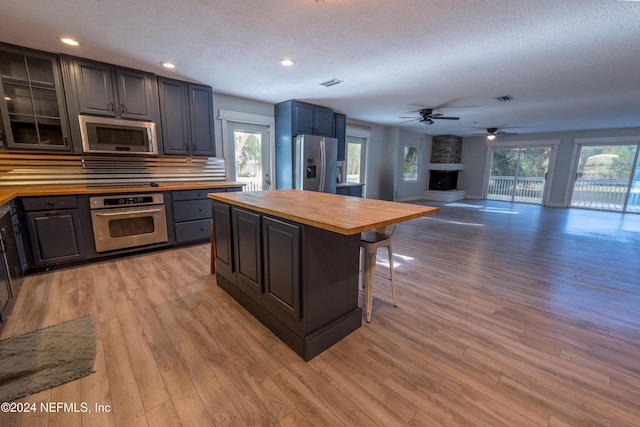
{"type": "Point", "coordinates": [249, 155]}
{"type": "Point", "coordinates": [519, 174]}
{"type": "Point", "coordinates": [607, 178]}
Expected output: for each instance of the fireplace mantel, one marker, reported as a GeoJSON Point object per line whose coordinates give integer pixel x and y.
{"type": "Point", "coordinates": [446, 166]}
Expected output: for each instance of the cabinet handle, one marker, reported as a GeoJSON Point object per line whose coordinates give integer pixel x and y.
{"type": "Point", "coordinates": [193, 147]}
{"type": "Point", "coordinates": [51, 213]}
{"type": "Point", "coordinates": [1, 136]}
{"type": "Point", "coordinates": [186, 147]}
{"type": "Point", "coordinates": [110, 106]}
{"type": "Point", "coordinates": [123, 109]}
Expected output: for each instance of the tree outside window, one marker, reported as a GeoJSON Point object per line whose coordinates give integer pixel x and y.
{"type": "Point", "coordinates": [411, 167]}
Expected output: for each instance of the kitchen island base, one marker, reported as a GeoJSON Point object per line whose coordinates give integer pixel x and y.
{"type": "Point", "coordinates": [300, 281]}
{"type": "Point", "coordinates": [308, 346]}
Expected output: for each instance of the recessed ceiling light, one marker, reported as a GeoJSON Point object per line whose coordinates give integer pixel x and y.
{"type": "Point", "coordinates": [168, 64]}
{"type": "Point", "coordinates": [69, 41]}
{"type": "Point", "coordinates": [286, 62]}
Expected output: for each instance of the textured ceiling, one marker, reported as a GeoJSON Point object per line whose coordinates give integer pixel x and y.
{"type": "Point", "coordinates": [568, 64]}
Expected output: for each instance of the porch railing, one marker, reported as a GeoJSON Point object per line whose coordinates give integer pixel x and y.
{"type": "Point", "coordinates": [528, 189]}
{"type": "Point", "coordinates": [605, 194]}
{"type": "Point", "coordinates": [252, 184]}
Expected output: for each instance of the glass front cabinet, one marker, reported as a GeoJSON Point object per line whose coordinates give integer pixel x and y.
{"type": "Point", "coordinates": [32, 109]}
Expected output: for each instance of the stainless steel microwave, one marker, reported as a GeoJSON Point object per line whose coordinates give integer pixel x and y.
{"type": "Point", "coordinates": [115, 136]}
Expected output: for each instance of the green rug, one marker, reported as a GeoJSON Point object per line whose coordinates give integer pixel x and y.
{"type": "Point", "coordinates": [46, 358]}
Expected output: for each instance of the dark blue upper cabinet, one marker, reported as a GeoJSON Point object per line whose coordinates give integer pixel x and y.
{"type": "Point", "coordinates": [106, 90]}
{"type": "Point", "coordinates": [186, 114]}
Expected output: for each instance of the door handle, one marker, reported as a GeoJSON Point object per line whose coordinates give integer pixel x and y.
{"type": "Point", "coordinates": [127, 212]}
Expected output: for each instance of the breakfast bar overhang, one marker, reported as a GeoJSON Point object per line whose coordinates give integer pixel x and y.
{"type": "Point", "coordinates": [291, 258]}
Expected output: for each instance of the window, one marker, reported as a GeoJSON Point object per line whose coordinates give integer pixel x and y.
{"type": "Point", "coordinates": [411, 167]}
{"type": "Point", "coordinates": [356, 155]}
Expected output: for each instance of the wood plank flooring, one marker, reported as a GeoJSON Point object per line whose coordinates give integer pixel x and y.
{"type": "Point", "coordinates": [509, 315]}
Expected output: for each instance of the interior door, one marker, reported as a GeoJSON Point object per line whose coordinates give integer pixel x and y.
{"type": "Point", "coordinates": [250, 155]}
{"type": "Point", "coordinates": [607, 178]}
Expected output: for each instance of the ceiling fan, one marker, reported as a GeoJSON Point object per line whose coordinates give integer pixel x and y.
{"type": "Point", "coordinates": [427, 116]}
{"type": "Point", "coordinates": [493, 132]}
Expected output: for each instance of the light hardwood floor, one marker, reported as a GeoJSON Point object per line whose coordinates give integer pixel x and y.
{"type": "Point", "coordinates": [509, 315]}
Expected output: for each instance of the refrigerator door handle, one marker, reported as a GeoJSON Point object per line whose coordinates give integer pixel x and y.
{"type": "Point", "coordinates": [322, 164]}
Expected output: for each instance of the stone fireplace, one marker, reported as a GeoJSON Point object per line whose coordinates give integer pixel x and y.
{"type": "Point", "coordinates": [446, 157]}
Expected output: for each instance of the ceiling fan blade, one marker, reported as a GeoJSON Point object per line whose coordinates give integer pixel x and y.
{"type": "Point", "coordinates": [444, 118]}
{"type": "Point", "coordinates": [407, 121]}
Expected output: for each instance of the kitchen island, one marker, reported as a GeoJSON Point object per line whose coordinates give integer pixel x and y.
{"type": "Point", "coordinates": [291, 258]}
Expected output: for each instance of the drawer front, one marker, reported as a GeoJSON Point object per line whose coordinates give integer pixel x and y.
{"type": "Point", "coordinates": [48, 203]}
{"type": "Point", "coordinates": [193, 231]}
{"type": "Point", "coordinates": [191, 210]}
{"type": "Point", "coordinates": [194, 194]}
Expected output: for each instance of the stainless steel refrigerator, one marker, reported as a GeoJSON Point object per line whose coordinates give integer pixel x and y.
{"type": "Point", "coordinates": [314, 163]}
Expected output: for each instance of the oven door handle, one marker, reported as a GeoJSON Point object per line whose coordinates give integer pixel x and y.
{"type": "Point", "coordinates": [127, 212]}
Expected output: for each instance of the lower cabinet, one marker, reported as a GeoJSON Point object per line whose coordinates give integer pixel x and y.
{"type": "Point", "coordinates": [54, 230]}
{"type": "Point", "coordinates": [281, 258]}
{"type": "Point", "coordinates": [192, 215]}
{"type": "Point", "coordinates": [247, 251]}
{"type": "Point", "coordinates": [261, 255]}
{"type": "Point", "coordinates": [354, 190]}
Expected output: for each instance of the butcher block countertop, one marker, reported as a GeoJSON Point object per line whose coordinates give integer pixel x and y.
{"type": "Point", "coordinates": [6, 195]}
{"type": "Point", "coordinates": [340, 214]}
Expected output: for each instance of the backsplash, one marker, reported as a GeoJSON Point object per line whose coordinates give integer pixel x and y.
{"type": "Point", "coordinates": [25, 169]}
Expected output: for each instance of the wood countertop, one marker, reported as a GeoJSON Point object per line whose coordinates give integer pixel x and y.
{"type": "Point", "coordinates": [340, 214]}
{"type": "Point", "coordinates": [6, 195]}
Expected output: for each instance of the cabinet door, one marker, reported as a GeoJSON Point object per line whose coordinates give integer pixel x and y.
{"type": "Point", "coordinates": [201, 112]}
{"type": "Point", "coordinates": [34, 114]}
{"type": "Point", "coordinates": [281, 252]}
{"type": "Point", "coordinates": [355, 191]}
{"type": "Point", "coordinates": [14, 264]}
{"type": "Point", "coordinates": [340, 128]}
{"type": "Point", "coordinates": [323, 121]}
{"type": "Point", "coordinates": [135, 92]}
{"type": "Point", "coordinates": [223, 238]}
{"type": "Point", "coordinates": [94, 84]}
{"type": "Point", "coordinates": [174, 116]}
{"type": "Point", "coordinates": [248, 251]}
{"type": "Point", "coordinates": [55, 236]}
{"type": "Point", "coordinates": [302, 119]}
{"type": "Point", "coordinates": [5, 292]}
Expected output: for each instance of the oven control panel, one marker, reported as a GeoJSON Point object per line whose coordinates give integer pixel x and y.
{"type": "Point", "coordinates": [99, 202]}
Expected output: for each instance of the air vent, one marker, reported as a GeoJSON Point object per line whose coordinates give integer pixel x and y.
{"type": "Point", "coordinates": [331, 82]}
{"type": "Point", "coordinates": [504, 98]}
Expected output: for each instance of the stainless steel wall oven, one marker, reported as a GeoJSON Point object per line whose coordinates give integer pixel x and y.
{"type": "Point", "coordinates": [128, 221]}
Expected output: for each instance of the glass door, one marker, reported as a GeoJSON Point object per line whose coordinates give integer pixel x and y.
{"type": "Point", "coordinates": [607, 178]}
{"type": "Point", "coordinates": [251, 156]}
{"type": "Point", "coordinates": [32, 108]}
{"type": "Point", "coordinates": [518, 174]}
